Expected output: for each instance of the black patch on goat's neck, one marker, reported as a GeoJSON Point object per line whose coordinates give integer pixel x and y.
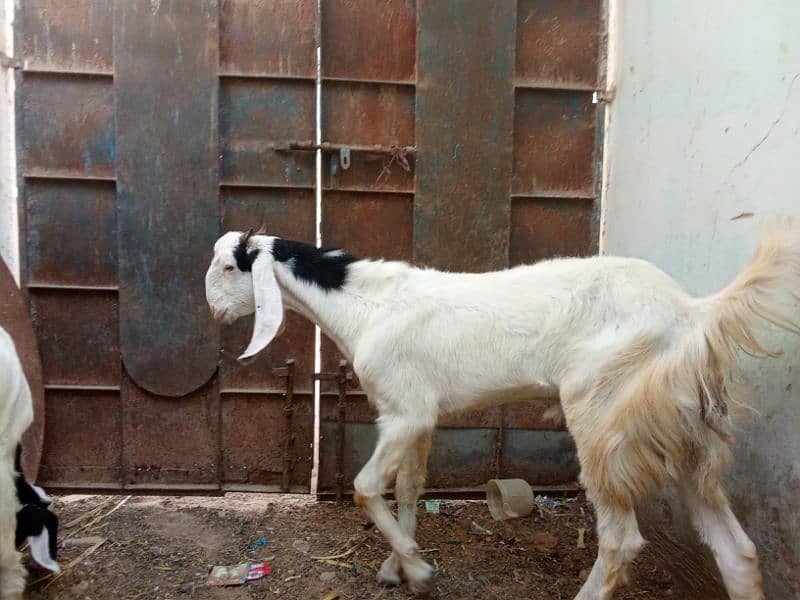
{"type": "Point", "coordinates": [323, 267]}
{"type": "Point", "coordinates": [244, 259]}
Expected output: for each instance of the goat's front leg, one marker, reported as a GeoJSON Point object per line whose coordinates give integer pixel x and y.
{"type": "Point", "coordinates": [397, 440]}
{"type": "Point", "coordinates": [407, 490]}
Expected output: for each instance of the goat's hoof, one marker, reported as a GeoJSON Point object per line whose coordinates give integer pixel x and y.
{"type": "Point", "coordinates": [389, 574]}
{"type": "Point", "coordinates": [420, 589]}
{"type": "Point", "coordinates": [420, 576]}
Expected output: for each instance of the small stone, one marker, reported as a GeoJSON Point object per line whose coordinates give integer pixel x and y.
{"type": "Point", "coordinates": [79, 589]}
{"type": "Point", "coordinates": [301, 546]}
{"type": "Point", "coordinates": [545, 542]}
{"type": "Point", "coordinates": [328, 576]}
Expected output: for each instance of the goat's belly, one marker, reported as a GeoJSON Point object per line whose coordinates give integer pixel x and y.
{"type": "Point", "coordinates": [484, 399]}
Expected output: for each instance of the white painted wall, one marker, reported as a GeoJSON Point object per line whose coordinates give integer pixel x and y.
{"type": "Point", "coordinates": [9, 246]}
{"type": "Point", "coordinates": [704, 127]}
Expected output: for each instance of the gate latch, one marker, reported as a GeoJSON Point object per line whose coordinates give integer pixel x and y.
{"type": "Point", "coordinates": [344, 157]}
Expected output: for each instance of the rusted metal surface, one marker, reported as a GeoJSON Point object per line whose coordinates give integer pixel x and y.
{"type": "Point", "coordinates": [61, 217]}
{"type": "Point", "coordinates": [461, 458]}
{"type": "Point", "coordinates": [368, 113]}
{"type": "Point", "coordinates": [255, 116]}
{"type": "Point", "coordinates": [267, 38]}
{"type": "Point", "coordinates": [499, 444]}
{"type": "Point", "coordinates": [73, 137]}
{"type": "Point", "coordinates": [554, 143]}
{"type": "Point", "coordinates": [544, 414]}
{"type": "Point", "coordinates": [78, 336]}
{"type": "Point", "coordinates": [170, 441]}
{"type": "Point", "coordinates": [548, 227]}
{"type": "Point", "coordinates": [253, 441]}
{"type": "Point", "coordinates": [66, 36]}
{"type": "Point", "coordinates": [329, 147]}
{"type": "Point", "coordinates": [168, 205]}
{"type": "Point", "coordinates": [14, 318]}
{"type": "Point", "coordinates": [464, 121]}
{"type": "Point", "coordinates": [288, 213]}
{"type": "Point", "coordinates": [368, 172]}
{"type": "Point", "coordinates": [558, 42]}
{"type": "Point", "coordinates": [359, 410]}
{"type": "Point", "coordinates": [288, 410]}
{"type": "Point", "coordinates": [342, 376]}
{"type": "Point", "coordinates": [369, 39]}
{"type": "Point", "coordinates": [543, 457]}
{"type": "Point", "coordinates": [83, 439]}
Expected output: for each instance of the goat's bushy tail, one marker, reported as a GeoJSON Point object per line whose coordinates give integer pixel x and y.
{"type": "Point", "coordinates": [767, 291]}
{"type": "Point", "coordinates": [665, 410]}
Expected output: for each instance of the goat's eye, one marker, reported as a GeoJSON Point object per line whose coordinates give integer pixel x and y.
{"type": "Point", "coordinates": [229, 268]}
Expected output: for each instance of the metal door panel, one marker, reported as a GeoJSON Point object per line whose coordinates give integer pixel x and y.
{"type": "Point", "coordinates": [61, 217]}
{"type": "Point", "coordinates": [464, 123]}
{"type": "Point", "coordinates": [364, 114]}
{"type": "Point", "coordinates": [73, 137]}
{"type": "Point", "coordinates": [369, 39]}
{"type": "Point", "coordinates": [274, 38]}
{"type": "Point", "coordinates": [558, 43]}
{"type": "Point", "coordinates": [78, 336]}
{"type": "Point", "coordinates": [256, 115]}
{"type": "Point", "coordinates": [83, 439]}
{"type": "Point", "coordinates": [166, 57]}
{"type": "Point", "coordinates": [546, 227]}
{"type": "Point", "coordinates": [73, 35]}
{"type": "Point", "coordinates": [171, 441]}
{"type": "Point", "coordinates": [554, 143]}
{"type": "Point", "coordinates": [253, 432]}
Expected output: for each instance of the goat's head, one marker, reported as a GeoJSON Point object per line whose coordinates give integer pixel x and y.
{"type": "Point", "coordinates": [241, 281]}
{"type": "Point", "coordinates": [36, 525]}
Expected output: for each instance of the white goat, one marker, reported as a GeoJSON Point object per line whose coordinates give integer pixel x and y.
{"type": "Point", "coordinates": [16, 414]}
{"type": "Point", "coordinates": [639, 365]}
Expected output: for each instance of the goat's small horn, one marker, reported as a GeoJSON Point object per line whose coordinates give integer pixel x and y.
{"type": "Point", "coordinates": [247, 235]}
{"type": "Point", "coordinates": [262, 229]}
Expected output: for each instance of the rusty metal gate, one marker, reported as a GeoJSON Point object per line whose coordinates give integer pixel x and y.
{"type": "Point", "coordinates": [460, 135]}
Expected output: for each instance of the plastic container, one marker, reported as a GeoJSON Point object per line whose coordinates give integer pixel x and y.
{"type": "Point", "coordinates": [509, 498]}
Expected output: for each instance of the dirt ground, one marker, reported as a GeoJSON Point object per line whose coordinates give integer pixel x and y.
{"type": "Point", "coordinates": [163, 547]}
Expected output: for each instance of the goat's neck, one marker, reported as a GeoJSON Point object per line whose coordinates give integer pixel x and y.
{"type": "Point", "coordinates": [340, 313]}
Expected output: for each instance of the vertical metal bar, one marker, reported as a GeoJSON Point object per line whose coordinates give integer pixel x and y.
{"type": "Point", "coordinates": [340, 430]}
{"type": "Point", "coordinates": [498, 448]}
{"type": "Point", "coordinates": [288, 410]}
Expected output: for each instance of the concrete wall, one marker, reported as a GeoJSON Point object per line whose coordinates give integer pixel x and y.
{"type": "Point", "coordinates": [703, 145]}
{"type": "Point", "coordinates": [9, 246]}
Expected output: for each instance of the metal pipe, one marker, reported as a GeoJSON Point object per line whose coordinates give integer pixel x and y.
{"type": "Point", "coordinates": [341, 410]}
{"type": "Point", "coordinates": [498, 446]}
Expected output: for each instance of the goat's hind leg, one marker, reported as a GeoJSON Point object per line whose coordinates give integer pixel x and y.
{"type": "Point", "coordinates": [407, 490]}
{"type": "Point", "coordinates": [397, 439]}
{"type": "Point", "coordinates": [619, 543]}
{"type": "Point", "coordinates": [733, 550]}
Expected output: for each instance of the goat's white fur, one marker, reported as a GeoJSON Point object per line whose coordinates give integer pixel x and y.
{"type": "Point", "coordinates": [16, 414]}
{"type": "Point", "coordinates": [639, 366]}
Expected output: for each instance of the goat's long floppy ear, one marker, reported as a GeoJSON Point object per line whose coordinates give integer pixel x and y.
{"type": "Point", "coordinates": [269, 305]}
